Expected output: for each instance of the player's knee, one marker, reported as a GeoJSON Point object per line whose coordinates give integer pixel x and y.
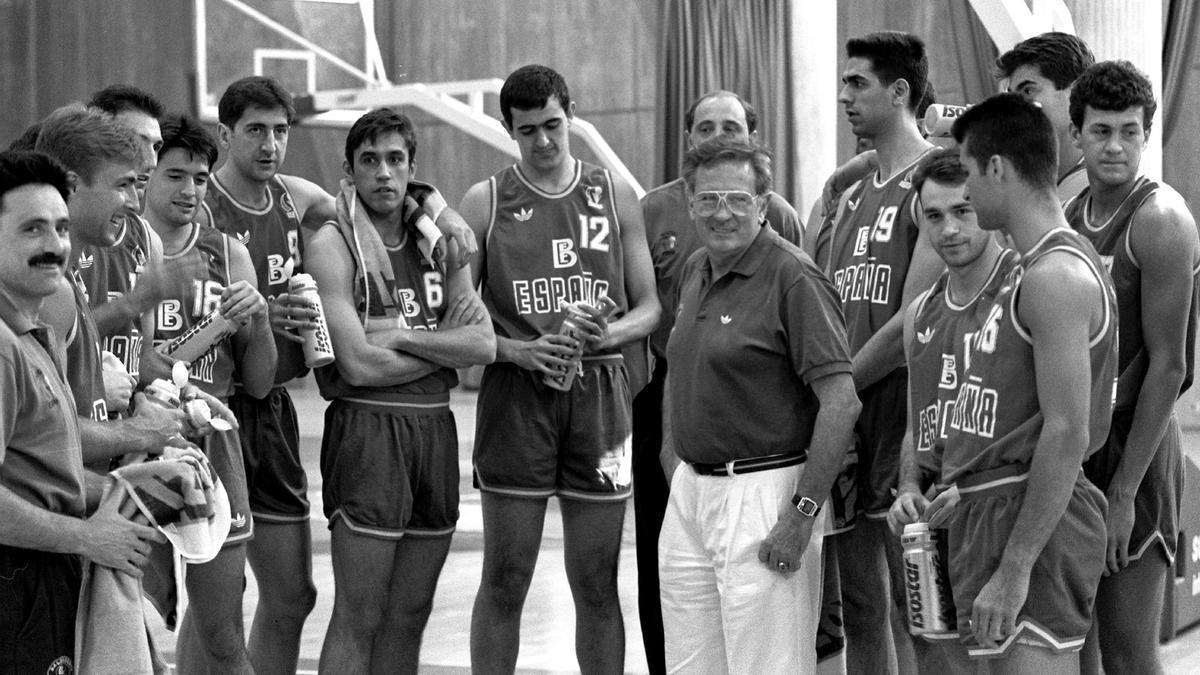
{"type": "Point", "coordinates": [294, 603]}
{"type": "Point", "coordinates": [506, 586]}
{"type": "Point", "coordinates": [221, 641]}
{"type": "Point", "coordinates": [598, 590]}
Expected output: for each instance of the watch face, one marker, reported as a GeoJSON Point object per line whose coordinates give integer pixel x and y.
{"type": "Point", "coordinates": [807, 506]}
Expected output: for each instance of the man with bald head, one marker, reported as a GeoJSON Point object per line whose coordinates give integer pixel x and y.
{"type": "Point", "coordinates": [672, 239]}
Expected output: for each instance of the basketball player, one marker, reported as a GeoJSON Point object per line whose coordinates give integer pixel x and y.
{"type": "Point", "coordinates": [878, 262]}
{"type": "Point", "coordinates": [389, 454]}
{"type": "Point", "coordinates": [210, 271]}
{"type": "Point", "coordinates": [1043, 69]}
{"type": "Point", "coordinates": [672, 239]}
{"type": "Point", "coordinates": [554, 230]}
{"type": "Point", "coordinates": [101, 156]}
{"type": "Point", "coordinates": [1027, 538]}
{"type": "Point", "coordinates": [1143, 230]}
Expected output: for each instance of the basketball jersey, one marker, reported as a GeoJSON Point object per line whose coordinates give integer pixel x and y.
{"type": "Point", "coordinates": [547, 250]}
{"type": "Point", "coordinates": [867, 252]}
{"type": "Point", "coordinates": [419, 297]}
{"type": "Point", "coordinates": [997, 418]}
{"type": "Point", "coordinates": [936, 356]}
{"type": "Point", "coordinates": [272, 235]}
{"type": "Point", "coordinates": [84, 372]}
{"type": "Point", "coordinates": [109, 273]}
{"type": "Point", "coordinates": [201, 271]}
{"type": "Point", "coordinates": [1112, 242]}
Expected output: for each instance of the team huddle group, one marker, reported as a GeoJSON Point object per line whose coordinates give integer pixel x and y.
{"type": "Point", "coordinates": [939, 345]}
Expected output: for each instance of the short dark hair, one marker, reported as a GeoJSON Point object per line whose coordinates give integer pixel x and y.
{"type": "Point", "coordinates": [894, 55]}
{"type": "Point", "coordinates": [19, 167]}
{"type": "Point", "coordinates": [530, 88]}
{"type": "Point", "coordinates": [1061, 57]}
{"type": "Point", "coordinates": [255, 91]}
{"type": "Point", "coordinates": [1113, 86]}
{"type": "Point", "coordinates": [377, 123]}
{"type": "Point", "coordinates": [28, 138]}
{"type": "Point", "coordinates": [185, 133]}
{"type": "Point", "coordinates": [689, 118]}
{"type": "Point", "coordinates": [927, 99]}
{"type": "Point", "coordinates": [118, 98]}
{"type": "Point", "coordinates": [81, 138]}
{"type": "Point", "coordinates": [1015, 129]}
{"type": "Point", "coordinates": [723, 150]}
{"type": "Point", "coordinates": [942, 166]}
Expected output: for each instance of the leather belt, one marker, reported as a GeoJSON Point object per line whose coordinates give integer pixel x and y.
{"type": "Point", "coordinates": [737, 466]}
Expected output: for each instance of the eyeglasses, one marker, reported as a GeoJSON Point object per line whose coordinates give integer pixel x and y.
{"type": "Point", "coordinates": [707, 203]}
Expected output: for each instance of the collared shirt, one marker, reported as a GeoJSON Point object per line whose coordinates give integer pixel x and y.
{"type": "Point", "coordinates": [40, 456]}
{"type": "Point", "coordinates": [746, 348]}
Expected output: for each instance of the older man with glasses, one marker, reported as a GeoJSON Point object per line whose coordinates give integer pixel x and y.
{"type": "Point", "coordinates": [758, 414]}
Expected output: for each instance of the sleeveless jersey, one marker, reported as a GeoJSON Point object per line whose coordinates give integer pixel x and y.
{"type": "Point", "coordinates": [1073, 182]}
{"type": "Point", "coordinates": [110, 272]}
{"type": "Point", "coordinates": [201, 270]}
{"type": "Point", "coordinates": [936, 356]}
{"type": "Point", "coordinates": [546, 250]}
{"type": "Point", "coordinates": [997, 417]}
{"type": "Point", "coordinates": [272, 235]}
{"type": "Point", "coordinates": [1112, 242]}
{"type": "Point", "coordinates": [84, 372]}
{"type": "Point", "coordinates": [420, 296]}
{"type": "Point", "coordinates": [867, 254]}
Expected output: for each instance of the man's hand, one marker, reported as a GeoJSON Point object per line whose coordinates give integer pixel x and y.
{"type": "Point", "coordinates": [908, 508]}
{"type": "Point", "coordinates": [784, 546]}
{"type": "Point", "coordinates": [241, 302]}
{"type": "Point", "coordinates": [1119, 523]}
{"type": "Point", "coordinates": [218, 409]}
{"type": "Point", "coordinates": [455, 228]}
{"type": "Point", "coordinates": [942, 507]}
{"type": "Point", "coordinates": [548, 354]}
{"type": "Point", "coordinates": [109, 539]}
{"type": "Point", "coordinates": [290, 312]}
{"type": "Point", "coordinates": [465, 310]}
{"type": "Point", "coordinates": [157, 424]}
{"type": "Point", "coordinates": [994, 613]}
{"type": "Point", "coordinates": [154, 365]}
{"type": "Point", "coordinates": [594, 325]}
{"type": "Point", "coordinates": [118, 383]}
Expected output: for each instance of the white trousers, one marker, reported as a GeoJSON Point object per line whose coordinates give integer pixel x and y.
{"type": "Point", "coordinates": [723, 610]}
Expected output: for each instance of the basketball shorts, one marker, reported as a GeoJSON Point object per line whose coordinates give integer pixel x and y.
{"type": "Point", "coordinates": [1062, 585]}
{"type": "Point", "coordinates": [534, 441]}
{"type": "Point", "coordinates": [390, 469]}
{"type": "Point", "coordinates": [1159, 497]}
{"type": "Point", "coordinates": [39, 596]}
{"type": "Point", "coordinates": [224, 451]}
{"type": "Point", "coordinates": [866, 483]}
{"type": "Point", "coordinates": [270, 439]}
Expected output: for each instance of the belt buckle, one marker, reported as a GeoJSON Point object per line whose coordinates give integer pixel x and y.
{"type": "Point", "coordinates": [729, 467]}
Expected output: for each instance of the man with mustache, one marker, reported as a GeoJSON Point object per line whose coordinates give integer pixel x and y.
{"type": "Point", "coordinates": [43, 535]}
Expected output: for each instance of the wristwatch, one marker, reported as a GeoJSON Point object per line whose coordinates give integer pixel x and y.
{"type": "Point", "coordinates": [806, 506]}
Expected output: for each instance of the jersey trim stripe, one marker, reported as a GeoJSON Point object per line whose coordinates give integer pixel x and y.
{"type": "Point", "coordinates": [248, 209]}
{"type": "Point", "coordinates": [577, 174]}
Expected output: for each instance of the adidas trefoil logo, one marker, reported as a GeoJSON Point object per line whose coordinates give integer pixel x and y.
{"type": "Point", "coordinates": [925, 336]}
{"type": "Point", "coordinates": [239, 520]}
{"type": "Point", "coordinates": [523, 215]}
{"type": "Point", "coordinates": [86, 261]}
{"type": "Point", "coordinates": [244, 237]}
{"type": "Point", "coordinates": [725, 319]}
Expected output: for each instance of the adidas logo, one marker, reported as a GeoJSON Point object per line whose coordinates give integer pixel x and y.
{"type": "Point", "coordinates": [925, 336]}
{"type": "Point", "coordinates": [725, 319]}
{"type": "Point", "coordinates": [238, 521]}
{"type": "Point", "coordinates": [523, 215]}
{"type": "Point", "coordinates": [86, 261]}
{"type": "Point", "coordinates": [244, 237]}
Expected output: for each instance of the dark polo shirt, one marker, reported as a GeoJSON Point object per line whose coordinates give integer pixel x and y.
{"type": "Point", "coordinates": [746, 348]}
{"type": "Point", "coordinates": [40, 456]}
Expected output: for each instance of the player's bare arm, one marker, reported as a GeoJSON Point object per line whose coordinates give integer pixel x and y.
{"type": "Point", "coordinates": [253, 349]}
{"type": "Point", "coordinates": [314, 205]}
{"type": "Point", "coordinates": [142, 298]}
{"type": "Point", "coordinates": [884, 351]}
{"type": "Point", "coordinates": [1062, 304]}
{"type": "Point", "coordinates": [360, 362]}
{"type": "Point", "coordinates": [464, 337]}
{"type": "Point", "coordinates": [1164, 239]}
{"type": "Point", "coordinates": [830, 440]}
{"type": "Point", "coordinates": [668, 456]}
{"type": "Point", "coordinates": [549, 353]}
{"type": "Point", "coordinates": [910, 503]}
{"type": "Point", "coordinates": [644, 308]}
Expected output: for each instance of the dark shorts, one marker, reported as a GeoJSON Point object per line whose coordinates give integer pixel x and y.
{"type": "Point", "coordinates": [534, 441]}
{"type": "Point", "coordinates": [224, 450]}
{"type": "Point", "coordinates": [1062, 585]}
{"type": "Point", "coordinates": [1159, 498]}
{"type": "Point", "coordinates": [271, 450]}
{"type": "Point", "coordinates": [390, 469]}
{"type": "Point", "coordinates": [39, 595]}
{"type": "Point", "coordinates": [868, 478]}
